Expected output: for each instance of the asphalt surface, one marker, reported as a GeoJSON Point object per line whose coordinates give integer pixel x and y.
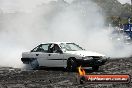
{"type": "Point", "coordinates": [59, 78]}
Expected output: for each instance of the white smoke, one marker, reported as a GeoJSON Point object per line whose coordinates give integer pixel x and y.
{"type": "Point", "coordinates": [125, 1]}
{"type": "Point", "coordinates": [26, 23]}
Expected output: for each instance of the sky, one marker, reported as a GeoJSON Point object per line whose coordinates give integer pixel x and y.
{"type": "Point", "coordinates": [28, 5]}
{"type": "Point", "coordinates": [124, 1]}
{"type": "Point", "coordinates": [23, 5]}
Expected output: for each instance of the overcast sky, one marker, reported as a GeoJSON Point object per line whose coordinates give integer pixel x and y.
{"type": "Point", "coordinates": [28, 5]}
{"type": "Point", "coordinates": [22, 5]}
{"type": "Point", "coordinates": [124, 1]}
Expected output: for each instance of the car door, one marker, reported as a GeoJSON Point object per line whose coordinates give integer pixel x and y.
{"type": "Point", "coordinates": [55, 57]}
{"type": "Point", "coordinates": [41, 53]}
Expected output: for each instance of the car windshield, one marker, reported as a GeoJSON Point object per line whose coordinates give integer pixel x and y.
{"type": "Point", "coordinates": [70, 47]}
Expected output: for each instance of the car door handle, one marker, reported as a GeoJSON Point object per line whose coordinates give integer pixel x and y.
{"type": "Point", "coordinates": [49, 54]}
{"type": "Point", "coordinates": [37, 54]}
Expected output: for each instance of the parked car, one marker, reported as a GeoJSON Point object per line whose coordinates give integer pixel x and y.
{"type": "Point", "coordinates": [62, 54]}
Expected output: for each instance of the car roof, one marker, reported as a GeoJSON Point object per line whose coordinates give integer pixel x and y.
{"type": "Point", "coordinates": [56, 42]}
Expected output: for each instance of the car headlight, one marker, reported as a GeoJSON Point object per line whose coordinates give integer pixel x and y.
{"type": "Point", "coordinates": [87, 58]}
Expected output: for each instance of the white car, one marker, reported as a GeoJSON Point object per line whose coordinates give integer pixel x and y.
{"type": "Point", "coordinates": [62, 54]}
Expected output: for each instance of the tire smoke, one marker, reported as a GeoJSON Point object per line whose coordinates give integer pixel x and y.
{"type": "Point", "coordinates": [24, 26]}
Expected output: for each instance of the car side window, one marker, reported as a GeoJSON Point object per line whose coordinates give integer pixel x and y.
{"type": "Point", "coordinates": [35, 49]}
{"type": "Point", "coordinates": [54, 48]}
{"type": "Point", "coordinates": [41, 48]}
{"type": "Point", "coordinates": [45, 47]}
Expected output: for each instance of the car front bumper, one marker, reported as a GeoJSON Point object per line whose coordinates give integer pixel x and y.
{"type": "Point", "coordinates": [91, 62]}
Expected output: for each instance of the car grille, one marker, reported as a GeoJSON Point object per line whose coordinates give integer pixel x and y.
{"type": "Point", "coordinates": [96, 57]}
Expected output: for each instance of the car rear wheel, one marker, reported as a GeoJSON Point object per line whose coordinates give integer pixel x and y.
{"type": "Point", "coordinates": [34, 64]}
{"type": "Point", "coordinates": [71, 64]}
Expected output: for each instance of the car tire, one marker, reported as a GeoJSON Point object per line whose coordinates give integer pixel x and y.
{"type": "Point", "coordinates": [71, 64]}
{"type": "Point", "coordinates": [95, 68]}
{"type": "Point", "coordinates": [34, 64]}
{"type": "Point", "coordinates": [82, 80]}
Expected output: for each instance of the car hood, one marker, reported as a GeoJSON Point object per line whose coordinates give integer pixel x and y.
{"type": "Point", "coordinates": [85, 53]}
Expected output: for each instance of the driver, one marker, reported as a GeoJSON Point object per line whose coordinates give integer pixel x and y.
{"type": "Point", "coordinates": [56, 48]}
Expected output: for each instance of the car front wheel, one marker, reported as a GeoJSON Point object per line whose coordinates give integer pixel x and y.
{"type": "Point", "coordinates": [95, 68]}
{"type": "Point", "coordinates": [71, 64]}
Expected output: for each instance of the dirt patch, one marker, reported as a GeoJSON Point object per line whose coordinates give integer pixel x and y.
{"type": "Point", "coordinates": [58, 77]}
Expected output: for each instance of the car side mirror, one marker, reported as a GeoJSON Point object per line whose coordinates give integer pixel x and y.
{"type": "Point", "coordinates": [63, 50]}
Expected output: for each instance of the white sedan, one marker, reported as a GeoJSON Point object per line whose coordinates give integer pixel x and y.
{"type": "Point", "coordinates": [62, 54]}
